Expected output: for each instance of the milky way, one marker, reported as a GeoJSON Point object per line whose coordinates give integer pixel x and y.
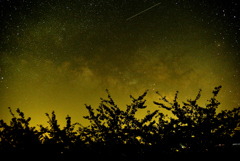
{"type": "Point", "coordinates": [59, 55]}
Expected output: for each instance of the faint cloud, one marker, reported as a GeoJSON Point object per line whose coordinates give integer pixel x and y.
{"type": "Point", "coordinates": [64, 67]}
{"type": "Point", "coordinates": [132, 82]}
{"type": "Point", "coordinates": [112, 81]}
{"type": "Point", "coordinates": [87, 74]}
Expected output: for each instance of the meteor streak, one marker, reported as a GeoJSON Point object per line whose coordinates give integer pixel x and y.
{"type": "Point", "coordinates": [143, 11]}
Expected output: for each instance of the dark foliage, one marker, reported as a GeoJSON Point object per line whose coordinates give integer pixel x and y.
{"type": "Point", "coordinates": [199, 128]}
{"type": "Point", "coordinates": [117, 132]}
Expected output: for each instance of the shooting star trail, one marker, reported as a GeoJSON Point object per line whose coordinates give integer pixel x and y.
{"type": "Point", "coordinates": [143, 11]}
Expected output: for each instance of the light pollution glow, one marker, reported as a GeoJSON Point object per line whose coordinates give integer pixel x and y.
{"type": "Point", "coordinates": [66, 56]}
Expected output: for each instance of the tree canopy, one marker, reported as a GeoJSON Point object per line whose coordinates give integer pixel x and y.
{"type": "Point", "coordinates": [116, 131]}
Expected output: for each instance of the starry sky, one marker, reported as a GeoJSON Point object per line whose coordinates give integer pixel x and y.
{"type": "Point", "coordinates": [61, 54]}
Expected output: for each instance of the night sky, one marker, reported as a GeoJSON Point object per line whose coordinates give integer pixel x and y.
{"type": "Point", "coordinates": [61, 54]}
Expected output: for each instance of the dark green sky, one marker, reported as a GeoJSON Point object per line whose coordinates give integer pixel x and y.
{"type": "Point", "coordinates": [59, 55]}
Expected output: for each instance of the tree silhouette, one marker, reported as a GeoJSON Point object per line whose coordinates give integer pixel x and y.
{"type": "Point", "coordinates": [111, 126]}
{"type": "Point", "coordinates": [56, 140]}
{"type": "Point", "coordinates": [18, 137]}
{"type": "Point", "coordinates": [199, 128]}
{"type": "Point", "coordinates": [115, 132]}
